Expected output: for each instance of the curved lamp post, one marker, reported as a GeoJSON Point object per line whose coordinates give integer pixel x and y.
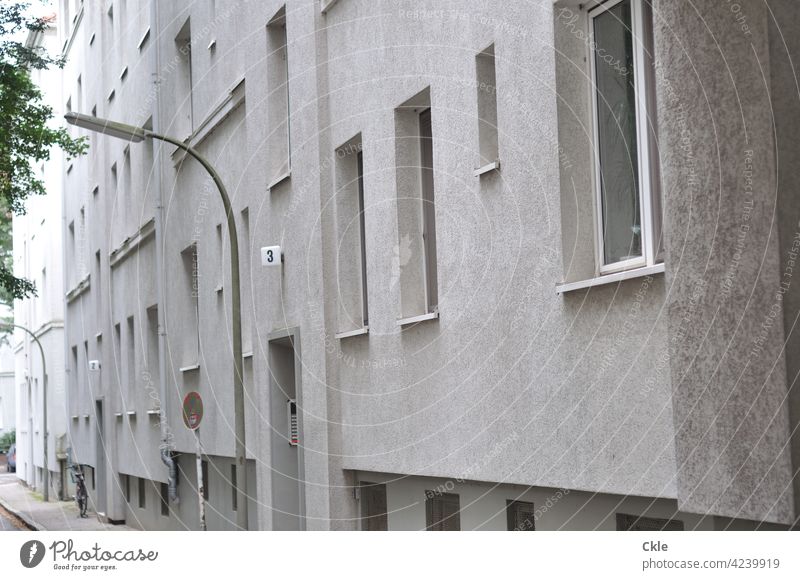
{"type": "Point", "coordinates": [135, 135]}
{"type": "Point", "coordinates": [46, 470]}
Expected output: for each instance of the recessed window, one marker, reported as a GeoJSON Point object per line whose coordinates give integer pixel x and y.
{"type": "Point", "coordinates": [278, 144]}
{"type": "Point", "coordinates": [190, 305]}
{"type": "Point", "coordinates": [414, 266]}
{"type": "Point", "coordinates": [520, 516]}
{"type": "Point", "coordinates": [184, 114]}
{"type": "Point", "coordinates": [142, 493]}
{"type": "Point", "coordinates": [126, 481]}
{"type": "Point", "coordinates": [130, 351]}
{"type": "Point", "coordinates": [442, 512]}
{"type": "Point", "coordinates": [619, 68]}
{"type": "Point", "coordinates": [631, 523]}
{"type": "Point", "coordinates": [374, 516]}
{"type": "Point", "coordinates": [486, 78]}
{"type": "Point", "coordinates": [164, 496]}
{"type": "Point", "coordinates": [234, 488]}
{"type": "Point", "coordinates": [351, 256]}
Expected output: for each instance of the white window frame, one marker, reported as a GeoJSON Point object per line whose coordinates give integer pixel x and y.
{"type": "Point", "coordinates": [649, 251]}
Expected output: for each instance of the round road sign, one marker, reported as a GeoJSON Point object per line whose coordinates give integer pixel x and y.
{"type": "Point", "coordinates": [192, 410]}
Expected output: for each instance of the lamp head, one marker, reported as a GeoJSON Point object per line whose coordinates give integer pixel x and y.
{"type": "Point", "coordinates": [106, 127]}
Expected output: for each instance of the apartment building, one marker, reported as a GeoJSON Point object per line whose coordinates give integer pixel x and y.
{"type": "Point", "coordinates": [37, 239]}
{"type": "Point", "coordinates": [534, 273]}
{"type": "Point", "coordinates": [8, 389]}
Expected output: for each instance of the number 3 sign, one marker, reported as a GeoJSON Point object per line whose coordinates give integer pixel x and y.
{"type": "Point", "coordinates": [271, 256]}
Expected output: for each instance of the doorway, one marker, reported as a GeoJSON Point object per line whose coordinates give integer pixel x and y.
{"type": "Point", "coordinates": [100, 459]}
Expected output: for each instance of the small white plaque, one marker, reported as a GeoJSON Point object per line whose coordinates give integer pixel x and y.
{"type": "Point", "coordinates": [94, 365]}
{"type": "Point", "coordinates": [271, 256]}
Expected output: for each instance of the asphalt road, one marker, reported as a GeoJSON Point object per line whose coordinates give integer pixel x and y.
{"type": "Point", "coordinates": [8, 522]}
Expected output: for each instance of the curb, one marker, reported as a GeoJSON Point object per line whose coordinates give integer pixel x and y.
{"type": "Point", "coordinates": [18, 514]}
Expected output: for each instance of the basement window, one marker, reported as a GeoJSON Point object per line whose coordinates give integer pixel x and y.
{"type": "Point", "coordinates": [442, 512]}
{"type": "Point", "coordinates": [631, 523]}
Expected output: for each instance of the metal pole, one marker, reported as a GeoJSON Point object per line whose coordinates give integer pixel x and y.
{"type": "Point", "coordinates": [236, 323]}
{"type": "Point", "coordinates": [200, 483]}
{"type": "Point", "coordinates": [46, 470]}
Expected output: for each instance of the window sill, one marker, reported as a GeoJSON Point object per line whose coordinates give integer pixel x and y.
{"type": "Point", "coordinates": [327, 5]}
{"type": "Point", "coordinates": [349, 333]}
{"type": "Point", "coordinates": [494, 165]}
{"type": "Point", "coordinates": [420, 318]}
{"type": "Point", "coordinates": [186, 369]}
{"type": "Point", "coordinates": [611, 278]}
{"type": "Point", "coordinates": [248, 354]}
{"type": "Point", "coordinates": [278, 180]}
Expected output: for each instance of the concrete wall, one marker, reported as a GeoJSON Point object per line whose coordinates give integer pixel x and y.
{"type": "Point", "coordinates": [724, 264]}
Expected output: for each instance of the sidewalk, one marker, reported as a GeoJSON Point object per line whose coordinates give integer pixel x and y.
{"type": "Point", "coordinates": [51, 516]}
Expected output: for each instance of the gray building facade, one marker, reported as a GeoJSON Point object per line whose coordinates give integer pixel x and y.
{"type": "Point", "coordinates": [535, 272]}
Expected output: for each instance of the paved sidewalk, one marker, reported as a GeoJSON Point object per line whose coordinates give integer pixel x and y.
{"type": "Point", "coordinates": [51, 516]}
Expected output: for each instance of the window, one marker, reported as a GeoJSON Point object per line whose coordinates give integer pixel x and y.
{"type": "Point", "coordinates": [190, 306]}
{"type": "Point", "coordinates": [184, 114]}
{"type": "Point", "coordinates": [520, 516]}
{"type": "Point", "coordinates": [118, 350]}
{"type": "Point", "coordinates": [96, 287]}
{"type": "Point", "coordinates": [130, 351]}
{"type": "Point", "coordinates": [619, 65]}
{"type": "Point", "coordinates": [247, 289]}
{"type": "Point", "coordinates": [142, 493]}
{"type": "Point", "coordinates": [234, 488]}
{"type": "Point", "coordinates": [414, 262]}
{"type": "Point", "coordinates": [351, 254]}
{"type": "Point", "coordinates": [126, 482]}
{"type": "Point", "coordinates": [152, 363]}
{"type": "Point", "coordinates": [374, 516]}
{"type": "Point", "coordinates": [204, 472]}
{"type": "Point", "coordinates": [629, 523]}
{"type": "Point", "coordinates": [164, 495]}
{"type": "Point", "coordinates": [487, 106]}
{"type": "Point", "coordinates": [220, 259]}
{"type": "Point", "coordinates": [428, 208]}
{"type": "Point", "coordinates": [278, 144]}
{"type": "Point", "coordinates": [93, 481]}
{"type": "Point", "coordinates": [442, 512]}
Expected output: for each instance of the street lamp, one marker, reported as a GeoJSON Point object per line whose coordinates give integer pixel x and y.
{"type": "Point", "coordinates": [46, 470]}
{"type": "Point", "coordinates": [135, 135]}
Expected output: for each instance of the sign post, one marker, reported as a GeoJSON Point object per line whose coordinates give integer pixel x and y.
{"type": "Point", "coordinates": [192, 415]}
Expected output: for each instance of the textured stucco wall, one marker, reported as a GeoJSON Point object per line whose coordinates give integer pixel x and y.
{"type": "Point", "coordinates": [723, 264]}
{"type": "Point", "coordinates": [513, 382]}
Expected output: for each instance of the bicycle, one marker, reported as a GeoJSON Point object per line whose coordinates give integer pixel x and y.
{"type": "Point", "coordinates": [81, 495]}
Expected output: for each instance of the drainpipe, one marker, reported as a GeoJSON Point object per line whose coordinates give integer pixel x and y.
{"type": "Point", "coordinates": [166, 444]}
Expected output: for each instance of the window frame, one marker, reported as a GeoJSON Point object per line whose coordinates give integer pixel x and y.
{"type": "Point", "coordinates": [649, 256]}
{"type": "Point", "coordinates": [448, 523]}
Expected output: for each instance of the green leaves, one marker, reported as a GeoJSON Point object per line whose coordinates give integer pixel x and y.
{"type": "Point", "coordinates": [27, 136]}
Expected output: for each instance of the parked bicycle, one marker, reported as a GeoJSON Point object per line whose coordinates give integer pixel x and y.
{"type": "Point", "coordinates": [81, 495]}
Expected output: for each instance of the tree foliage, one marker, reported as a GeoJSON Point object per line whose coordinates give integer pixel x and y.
{"type": "Point", "coordinates": [27, 137]}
